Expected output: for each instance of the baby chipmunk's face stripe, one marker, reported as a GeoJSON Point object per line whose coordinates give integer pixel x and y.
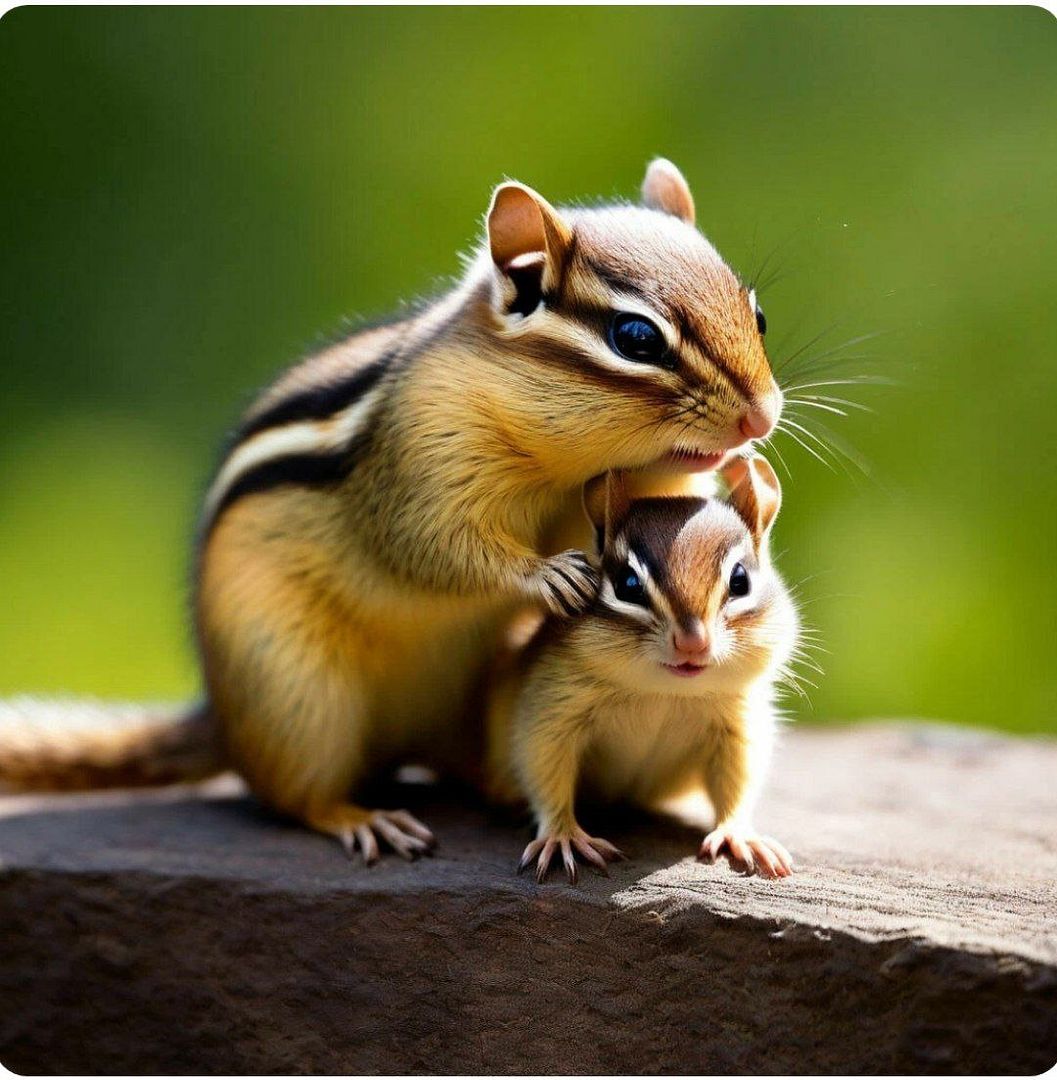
{"type": "Point", "coordinates": [654, 587]}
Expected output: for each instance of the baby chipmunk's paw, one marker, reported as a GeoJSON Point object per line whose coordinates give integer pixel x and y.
{"type": "Point", "coordinates": [748, 851]}
{"type": "Point", "coordinates": [592, 849]}
{"type": "Point", "coordinates": [567, 583]}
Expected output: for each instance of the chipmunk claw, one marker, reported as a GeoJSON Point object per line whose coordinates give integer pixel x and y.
{"type": "Point", "coordinates": [749, 852]}
{"type": "Point", "coordinates": [593, 850]}
{"type": "Point", "coordinates": [359, 830]}
{"type": "Point", "coordinates": [567, 583]}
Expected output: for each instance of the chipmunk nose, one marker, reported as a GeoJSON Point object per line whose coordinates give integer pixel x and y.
{"type": "Point", "coordinates": [754, 425]}
{"type": "Point", "coordinates": [759, 421]}
{"type": "Point", "coordinates": [692, 643]}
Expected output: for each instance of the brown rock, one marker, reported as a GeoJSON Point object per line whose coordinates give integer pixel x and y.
{"type": "Point", "coordinates": [191, 931]}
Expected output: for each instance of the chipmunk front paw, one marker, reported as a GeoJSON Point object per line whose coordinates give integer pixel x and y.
{"type": "Point", "coordinates": [748, 851]}
{"type": "Point", "coordinates": [360, 829]}
{"type": "Point", "coordinates": [593, 849]}
{"type": "Point", "coordinates": [567, 583]}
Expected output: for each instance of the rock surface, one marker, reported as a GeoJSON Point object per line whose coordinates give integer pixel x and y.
{"type": "Point", "coordinates": [191, 931]}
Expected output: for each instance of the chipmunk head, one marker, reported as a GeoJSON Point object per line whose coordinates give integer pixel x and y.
{"type": "Point", "coordinates": [637, 342]}
{"type": "Point", "coordinates": [690, 603]}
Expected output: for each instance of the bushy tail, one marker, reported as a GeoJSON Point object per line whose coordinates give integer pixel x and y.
{"type": "Point", "coordinates": [81, 745]}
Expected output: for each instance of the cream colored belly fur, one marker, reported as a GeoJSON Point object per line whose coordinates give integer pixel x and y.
{"type": "Point", "coordinates": [648, 750]}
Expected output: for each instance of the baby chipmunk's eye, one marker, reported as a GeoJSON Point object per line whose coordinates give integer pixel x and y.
{"type": "Point", "coordinates": [761, 320]}
{"type": "Point", "coordinates": [629, 588]}
{"type": "Point", "coordinates": [635, 338]}
{"type": "Point", "coordinates": [739, 581]}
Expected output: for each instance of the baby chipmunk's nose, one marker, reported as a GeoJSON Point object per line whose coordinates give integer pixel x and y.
{"type": "Point", "coordinates": [692, 643]}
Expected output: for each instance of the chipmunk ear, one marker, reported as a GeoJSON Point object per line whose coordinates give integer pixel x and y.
{"type": "Point", "coordinates": [527, 238]}
{"type": "Point", "coordinates": [754, 493]}
{"type": "Point", "coordinates": [665, 189]}
{"type": "Point", "coordinates": [606, 503]}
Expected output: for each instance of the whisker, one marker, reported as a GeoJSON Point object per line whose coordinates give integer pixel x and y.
{"type": "Point", "coordinates": [755, 278]}
{"type": "Point", "coordinates": [768, 445]}
{"type": "Point", "coordinates": [837, 401]}
{"type": "Point", "coordinates": [817, 405]}
{"type": "Point", "coordinates": [852, 380]}
{"type": "Point", "coordinates": [839, 445]}
{"type": "Point", "coordinates": [796, 438]}
{"type": "Point", "coordinates": [782, 364]}
{"type": "Point", "coordinates": [837, 365]}
{"type": "Point", "coordinates": [822, 443]}
{"type": "Point", "coordinates": [833, 350]}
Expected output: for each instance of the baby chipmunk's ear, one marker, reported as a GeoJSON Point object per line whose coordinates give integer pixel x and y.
{"type": "Point", "coordinates": [754, 493]}
{"type": "Point", "coordinates": [606, 503]}
{"type": "Point", "coordinates": [665, 189]}
{"type": "Point", "coordinates": [528, 239]}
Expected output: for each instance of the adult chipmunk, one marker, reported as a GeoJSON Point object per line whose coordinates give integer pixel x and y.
{"type": "Point", "coordinates": [665, 686]}
{"type": "Point", "coordinates": [388, 502]}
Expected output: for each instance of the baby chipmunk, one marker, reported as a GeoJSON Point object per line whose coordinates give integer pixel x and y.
{"type": "Point", "coordinates": [665, 686]}
{"type": "Point", "coordinates": [387, 504]}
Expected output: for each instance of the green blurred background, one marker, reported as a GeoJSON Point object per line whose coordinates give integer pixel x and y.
{"type": "Point", "coordinates": [190, 197]}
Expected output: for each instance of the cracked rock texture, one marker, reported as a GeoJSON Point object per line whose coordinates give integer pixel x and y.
{"type": "Point", "coordinates": [191, 931]}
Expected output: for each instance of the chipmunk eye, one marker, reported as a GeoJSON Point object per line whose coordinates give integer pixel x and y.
{"type": "Point", "coordinates": [629, 588]}
{"type": "Point", "coordinates": [739, 581]}
{"type": "Point", "coordinates": [635, 338]}
{"type": "Point", "coordinates": [761, 320]}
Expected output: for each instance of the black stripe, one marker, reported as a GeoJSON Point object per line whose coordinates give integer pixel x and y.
{"type": "Point", "coordinates": [620, 284]}
{"type": "Point", "coordinates": [317, 402]}
{"type": "Point", "coordinates": [307, 470]}
{"type": "Point", "coordinates": [566, 605]}
{"type": "Point", "coordinates": [577, 590]}
{"type": "Point", "coordinates": [739, 381]}
{"type": "Point", "coordinates": [313, 470]}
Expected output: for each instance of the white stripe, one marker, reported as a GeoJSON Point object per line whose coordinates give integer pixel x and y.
{"type": "Point", "coordinates": [634, 611]}
{"type": "Point", "coordinates": [638, 566]}
{"type": "Point", "coordinates": [549, 324]}
{"type": "Point", "coordinates": [299, 437]}
{"type": "Point", "coordinates": [738, 605]}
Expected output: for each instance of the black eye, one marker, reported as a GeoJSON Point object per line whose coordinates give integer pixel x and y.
{"type": "Point", "coordinates": [629, 588]}
{"type": "Point", "coordinates": [739, 581]}
{"type": "Point", "coordinates": [636, 338]}
{"type": "Point", "coordinates": [761, 321]}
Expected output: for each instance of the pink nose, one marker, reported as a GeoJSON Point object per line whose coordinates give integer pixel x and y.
{"type": "Point", "coordinates": [756, 423]}
{"type": "Point", "coordinates": [693, 643]}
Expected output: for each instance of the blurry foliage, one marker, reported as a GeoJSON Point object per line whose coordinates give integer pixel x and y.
{"type": "Point", "coordinates": [189, 197]}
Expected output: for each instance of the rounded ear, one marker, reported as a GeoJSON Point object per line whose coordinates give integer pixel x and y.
{"type": "Point", "coordinates": [665, 189]}
{"type": "Point", "coordinates": [755, 493]}
{"type": "Point", "coordinates": [527, 239]}
{"type": "Point", "coordinates": [606, 503]}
